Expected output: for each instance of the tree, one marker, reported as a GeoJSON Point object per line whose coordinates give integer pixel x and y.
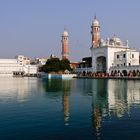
{"type": "Point", "coordinates": [55, 65]}
{"type": "Point", "coordinates": [52, 65]}
{"type": "Point", "coordinates": [65, 65]}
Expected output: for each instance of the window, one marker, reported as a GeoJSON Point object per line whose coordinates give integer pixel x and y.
{"type": "Point", "coordinates": [132, 55]}
{"type": "Point", "coordinates": [129, 64]}
{"type": "Point", "coordinates": [123, 55]}
{"type": "Point", "coordinates": [117, 65]}
{"type": "Point", "coordinates": [117, 56]}
{"type": "Point", "coordinates": [124, 64]}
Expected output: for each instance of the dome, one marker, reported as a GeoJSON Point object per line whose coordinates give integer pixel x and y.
{"type": "Point", "coordinates": [95, 22]}
{"type": "Point", "coordinates": [65, 33]}
{"type": "Point", "coordinates": [116, 39]}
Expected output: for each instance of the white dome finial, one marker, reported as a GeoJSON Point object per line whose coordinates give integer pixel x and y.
{"type": "Point", "coordinates": [95, 21]}
{"type": "Point", "coordinates": [65, 33]}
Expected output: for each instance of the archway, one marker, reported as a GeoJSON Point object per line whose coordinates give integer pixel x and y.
{"type": "Point", "coordinates": [101, 64]}
{"type": "Point", "coordinates": [124, 72]}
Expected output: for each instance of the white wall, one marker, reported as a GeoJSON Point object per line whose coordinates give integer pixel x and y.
{"type": "Point", "coordinates": [110, 54]}
{"type": "Point", "coordinates": [131, 58]}
{"type": "Point", "coordinates": [8, 66]}
{"type": "Point", "coordinates": [30, 69]}
{"type": "Point", "coordinates": [96, 52]}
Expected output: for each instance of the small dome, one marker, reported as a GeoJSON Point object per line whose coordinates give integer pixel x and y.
{"type": "Point", "coordinates": [65, 33]}
{"type": "Point", "coordinates": [116, 39]}
{"type": "Point", "coordinates": [95, 22]}
{"type": "Point", "coordinates": [102, 40]}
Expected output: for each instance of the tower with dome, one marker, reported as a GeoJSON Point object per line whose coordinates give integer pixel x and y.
{"type": "Point", "coordinates": [95, 32]}
{"type": "Point", "coordinates": [65, 44]}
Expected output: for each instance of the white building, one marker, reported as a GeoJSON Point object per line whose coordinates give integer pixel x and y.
{"type": "Point", "coordinates": [41, 61]}
{"type": "Point", "coordinates": [23, 60]}
{"type": "Point", "coordinates": [17, 66]}
{"type": "Point", "coordinates": [111, 55]}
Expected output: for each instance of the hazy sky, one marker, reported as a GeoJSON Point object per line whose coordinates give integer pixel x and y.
{"type": "Point", "coordinates": [34, 27]}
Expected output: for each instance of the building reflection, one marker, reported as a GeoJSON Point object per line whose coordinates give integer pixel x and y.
{"type": "Point", "coordinates": [16, 88]}
{"type": "Point", "coordinates": [99, 104]}
{"type": "Point", "coordinates": [113, 98]}
{"type": "Point", "coordinates": [65, 102]}
{"type": "Point", "coordinates": [55, 88]}
{"type": "Point", "coordinates": [122, 95]}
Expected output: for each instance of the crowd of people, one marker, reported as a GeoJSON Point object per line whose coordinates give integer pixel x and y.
{"type": "Point", "coordinates": [112, 74]}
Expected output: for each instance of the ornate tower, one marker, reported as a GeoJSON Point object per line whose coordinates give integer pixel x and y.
{"type": "Point", "coordinates": [65, 45]}
{"type": "Point", "coordinates": [95, 32]}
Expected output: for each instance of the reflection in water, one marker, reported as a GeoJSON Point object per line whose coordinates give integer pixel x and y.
{"type": "Point", "coordinates": [122, 94]}
{"type": "Point", "coordinates": [66, 108]}
{"type": "Point", "coordinates": [16, 88]}
{"type": "Point", "coordinates": [113, 98]}
{"type": "Point", "coordinates": [112, 104]}
{"type": "Point", "coordinates": [99, 104]}
{"type": "Point", "coordinates": [84, 86]}
{"type": "Point", "coordinates": [109, 97]}
{"type": "Point", "coordinates": [55, 88]}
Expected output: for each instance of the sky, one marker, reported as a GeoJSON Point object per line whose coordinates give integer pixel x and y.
{"type": "Point", "coordinates": [34, 27]}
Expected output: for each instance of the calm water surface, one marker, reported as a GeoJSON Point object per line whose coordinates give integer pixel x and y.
{"type": "Point", "coordinates": [37, 109]}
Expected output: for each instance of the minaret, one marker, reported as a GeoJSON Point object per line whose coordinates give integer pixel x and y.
{"type": "Point", "coordinates": [95, 32]}
{"type": "Point", "coordinates": [65, 45]}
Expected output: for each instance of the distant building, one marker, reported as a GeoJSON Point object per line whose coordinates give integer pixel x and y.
{"type": "Point", "coordinates": [18, 66]}
{"type": "Point", "coordinates": [86, 62]}
{"type": "Point", "coordinates": [43, 61]}
{"type": "Point", "coordinates": [53, 56]}
{"type": "Point", "coordinates": [23, 60]}
{"type": "Point", "coordinates": [74, 65]}
{"type": "Point", "coordinates": [85, 65]}
{"type": "Point", "coordinates": [40, 61]}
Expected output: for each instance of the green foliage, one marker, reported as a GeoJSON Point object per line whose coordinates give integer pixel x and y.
{"type": "Point", "coordinates": [65, 65]}
{"type": "Point", "coordinates": [56, 65]}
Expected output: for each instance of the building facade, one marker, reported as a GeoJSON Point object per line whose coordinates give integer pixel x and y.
{"type": "Point", "coordinates": [111, 53]}
{"type": "Point", "coordinates": [85, 65]}
{"type": "Point", "coordinates": [17, 66]}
